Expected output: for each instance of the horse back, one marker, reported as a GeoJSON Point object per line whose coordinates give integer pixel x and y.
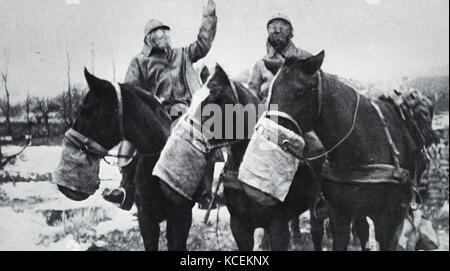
{"type": "Point", "coordinates": [401, 136]}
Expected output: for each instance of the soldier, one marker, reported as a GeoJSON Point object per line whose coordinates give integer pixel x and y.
{"type": "Point", "coordinates": [167, 73]}
{"type": "Point", "coordinates": [279, 47]}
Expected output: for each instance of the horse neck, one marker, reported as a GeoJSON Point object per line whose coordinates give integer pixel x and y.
{"type": "Point", "coordinates": [142, 127]}
{"type": "Point", "coordinates": [367, 142]}
{"type": "Point", "coordinates": [245, 98]}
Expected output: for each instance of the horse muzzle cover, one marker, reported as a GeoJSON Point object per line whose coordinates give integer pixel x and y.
{"type": "Point", "coordinates": [77, 169]}
{"type": "Point", "coordinates": [266, 165]}
{"type": "Point", "coordinates": [182, 162]}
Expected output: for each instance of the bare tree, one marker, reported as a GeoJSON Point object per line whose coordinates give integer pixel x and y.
{"type": "Point", "coordinates": [114, 70]}
{"type": "Point", "coordinates": [92, 57]}
{"type": "Point", "coordinates": [28, 112]}
{"type": "Point", "coordinates": [77, 94]}
{"type": "Point", "coordinates": [43, 109]}
{"type": "Point", "coordinates": [7, 106]}
{"type": "Point", "coordinates": [69, 92]}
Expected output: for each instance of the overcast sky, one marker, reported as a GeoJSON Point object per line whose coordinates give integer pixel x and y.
{"type": "Point", "coordinates": [369, 40]}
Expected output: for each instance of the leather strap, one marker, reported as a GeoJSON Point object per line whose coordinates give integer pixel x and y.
{"type": "Point", "coordinates": [394, 152]}
{"type": "Point", "coordinates": [85, 144]}
{"type": "Point", "coordinates": [319, 94]}
{"type": "Point", "coordinates": [285, 116]}
{"type": "Point", "coordinates": [368, 174]}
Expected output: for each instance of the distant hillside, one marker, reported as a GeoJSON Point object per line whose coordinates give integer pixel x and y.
{"type": "Point", "coordinates": [438, 71]}
{"type": "Point", "coordinates": [436, 88]}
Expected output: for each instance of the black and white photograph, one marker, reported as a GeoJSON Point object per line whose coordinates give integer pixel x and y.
{"type": "Point", "coordinates": [224, 125]}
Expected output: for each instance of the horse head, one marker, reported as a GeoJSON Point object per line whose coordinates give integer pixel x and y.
{"type": "Point", "coordinates": [227, 104]}
{"type": "Point", "coordinates": [295, 90]}
{"type": "Point", "coordinates": [108, 115]}
{"type": "Point", "coordinates": [97, 118]}
{"type": "Point", "coordinates": [220, 88]}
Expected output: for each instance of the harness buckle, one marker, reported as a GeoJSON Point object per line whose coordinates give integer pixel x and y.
{"type": "Point", "coordinates": [285, 145]}
{"type": "Point", "coordinates": [84, 148]}
{"type": "Point", "coordinates": [401, 175]}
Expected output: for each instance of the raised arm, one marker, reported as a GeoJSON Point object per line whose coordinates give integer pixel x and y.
{"type": "Point", "coordinates": [200, 48]}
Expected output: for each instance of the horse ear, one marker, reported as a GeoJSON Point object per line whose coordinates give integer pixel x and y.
{"type": "Point", "coordinates": [204, 74]}
{"type": "Point", "coordinates": [312, 64]}
{"type": "Point", "coordinates": [220, 75]}
{"type": "Point", "coordinates": [91, 81]}
{"type": "Point", "coordinates": [220, 71]}
{"type": "Point", "coordinates": [95, 84]}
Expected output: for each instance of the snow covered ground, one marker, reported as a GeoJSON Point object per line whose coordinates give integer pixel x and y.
{"type": "Point", "coordinates": [44, 159]}
{"type": "Point", "coordinates": [27, 208]}
{"type": "Point", "coordinates": [36, 216]}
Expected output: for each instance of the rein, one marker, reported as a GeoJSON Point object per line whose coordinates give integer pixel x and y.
{"type": "Point", "coordinates": [358, 100]}
{"type": "Point", "coordinates": [283, 115]}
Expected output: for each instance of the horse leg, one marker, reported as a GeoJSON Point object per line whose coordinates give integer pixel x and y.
{"type": "Point", "coordinates": [242, 233]}
{"type": "Point", "coordinates": [361, 227]}
{"type": "Point", "coordinates": [278, 231]}
{"type": "Point", "coordinates": [179, 220]}
{"type": "Point", "coordinates": [340, 228]}
{"type": "Point", "coordinates": [385, 226]}
{"type": "Point", "coordinates": [294, 226]}
{"type": "Point", "coordinates": [317, 231]}
{"type": "Point", "coordinates": [149, 228]}
{"type": "Point", "coordinates": [149, 203]}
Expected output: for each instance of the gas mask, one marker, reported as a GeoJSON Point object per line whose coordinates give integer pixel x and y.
{"type": "Point", "coordinates": [160, 39]}
{"type": "Point", "coordinates": [266, 165]}
{"type": "Point", "coordinates": [280, 33]}
{"type": "Point", "coordinates": [78, 169]}
{"type": "Point", "coordinates": [182, 162]}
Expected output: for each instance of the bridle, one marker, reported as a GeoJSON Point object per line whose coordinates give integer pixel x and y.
{"type": "Point", "coordinates": [276, 113]}
{"type": "Point", "coordinates": [95, 149]}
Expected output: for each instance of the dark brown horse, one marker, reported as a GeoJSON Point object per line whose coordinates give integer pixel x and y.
{"type": "Point", "coordinates": [146, 125]}
{"type": "Point", "coordinates": [352, 131]}
{"type": "Point", "coordinates": [246, 213]}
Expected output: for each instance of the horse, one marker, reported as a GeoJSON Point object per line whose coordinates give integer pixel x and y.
{"type": "Point", "coordinates": [246, 214]}
{"type": "Point", "coordinates": [369, 156]}
{"type": "Point", "coordinates": [110, 114]}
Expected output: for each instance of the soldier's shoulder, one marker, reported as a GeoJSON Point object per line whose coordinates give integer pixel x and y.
{"type": "Point", "coordinates": [139, 58]}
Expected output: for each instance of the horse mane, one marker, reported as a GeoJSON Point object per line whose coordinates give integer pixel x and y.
{"type": "Point", "coordinates": [337, 84]}
{"type": "Point", "coordinates": [148, 98]}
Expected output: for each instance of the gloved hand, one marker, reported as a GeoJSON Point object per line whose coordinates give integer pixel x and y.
{"type": "Point", "coordinates": [210, 8]}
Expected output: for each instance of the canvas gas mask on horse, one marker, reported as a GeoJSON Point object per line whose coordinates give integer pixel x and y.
{"type": "Point", "coordinates": [367, 172]}
{"type": "Point", "coordinates": [277, 147]}
{"type": "Point", "coordinates": [77, 173]}
{"type": "Point", "coordinates": [184, 158]}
